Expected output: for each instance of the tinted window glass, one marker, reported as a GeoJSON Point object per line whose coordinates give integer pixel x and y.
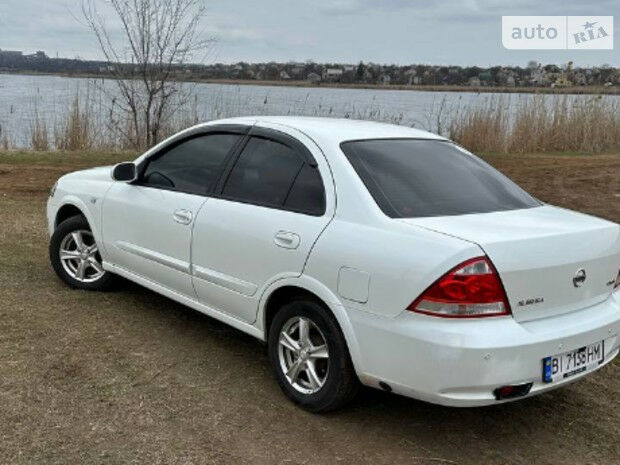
{"type": "Point", "coordinates": [192, 166]}
{"type": "Point", "coordinates": [307, 194]}
{"type": "Point", "coordinates": [416, 178]}
{"type": "Point", "coordinates": [264, 173]}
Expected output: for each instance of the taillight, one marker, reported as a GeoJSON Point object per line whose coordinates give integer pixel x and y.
{"type": "Point", "coordinates": [471, 290]}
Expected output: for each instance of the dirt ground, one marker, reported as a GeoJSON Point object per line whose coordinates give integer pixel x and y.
{"type": "Point", "coordinates": [132, 377]}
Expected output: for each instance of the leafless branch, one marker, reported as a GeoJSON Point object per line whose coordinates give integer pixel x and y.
{"type": "Point", "coordinates": [159, 37]}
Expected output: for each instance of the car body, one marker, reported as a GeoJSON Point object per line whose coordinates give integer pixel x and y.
{"type": "Point", "coordinates": [237, 260]}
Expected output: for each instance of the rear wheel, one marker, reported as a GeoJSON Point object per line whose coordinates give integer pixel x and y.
{"type": "Point", "coordinates": [75, 256]}
{"type": "Point", "coordinates": [310, 357]}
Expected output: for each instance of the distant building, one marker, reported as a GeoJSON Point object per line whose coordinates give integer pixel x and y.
{"type": "Point", "coordinates": [332, 74]}
{"type": "Point", "coordinates": [284, 75]}
{"type": "Point", "coordinates": [39, 55]}
{"type": "Point", "coordinates": [385, 79]}
{"type": "Point", "coordinates": [313, 78]}
{"type": "Point", "coordinates": [410, 74]}
{"type": "Point", "coordinates": [10, 53]}
{"type": "Point", "coordinates": [297, 71]}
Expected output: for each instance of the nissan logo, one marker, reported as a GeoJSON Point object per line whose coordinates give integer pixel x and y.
{"type": "Point", "coordinates": [579, 278]}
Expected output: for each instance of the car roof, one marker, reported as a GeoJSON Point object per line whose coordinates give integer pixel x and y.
{"type": "Point", "coordinates": [336, 130]}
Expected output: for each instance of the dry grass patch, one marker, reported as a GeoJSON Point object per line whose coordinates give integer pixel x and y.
{"type": "Point", "coordinates": [540, 124]}
{"type": "Point", "coordinates": [132, 377]}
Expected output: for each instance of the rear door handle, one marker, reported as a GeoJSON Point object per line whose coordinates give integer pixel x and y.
{"type": "Point", "coordinates": [287, 240]}
{"type": "Point", "coordinates": [183, 216]}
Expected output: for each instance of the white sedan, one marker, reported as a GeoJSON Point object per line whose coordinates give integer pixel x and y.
{"type": "Point", "coordinates": [360, 252]}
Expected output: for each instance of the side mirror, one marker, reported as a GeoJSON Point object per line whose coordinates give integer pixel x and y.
{"type": "Point", "coordinates": [125, 172]}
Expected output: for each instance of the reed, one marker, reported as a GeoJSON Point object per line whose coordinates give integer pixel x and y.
{"type": "Point", "coordinates": [74, 131]}
{"type": "Point", "coordinates": [534, 124]}
{"type": "Point", "coordinates": [39, 134]}
{"type": "Point", "coordinates": [6, 142]}
{"type": "Point", "coordinates": [540, 124]}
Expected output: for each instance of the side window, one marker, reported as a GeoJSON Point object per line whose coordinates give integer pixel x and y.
{"type": "Point", "coordinates": [272, 174]}
{"type": "Point", "coordinates": [191, 166]}
{"type": "Point", "coordinates": [307, 194]}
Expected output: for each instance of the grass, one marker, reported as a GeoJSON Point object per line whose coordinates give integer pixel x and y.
{"type": "Point", "coordinates": [130, 376]}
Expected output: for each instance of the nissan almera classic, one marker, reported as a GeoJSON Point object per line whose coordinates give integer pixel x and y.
{"type": "Point", "coordinates": [360, 252]}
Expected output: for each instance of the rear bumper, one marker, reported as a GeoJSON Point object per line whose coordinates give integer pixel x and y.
{"type": "Point", "coordinates": [460, 363]}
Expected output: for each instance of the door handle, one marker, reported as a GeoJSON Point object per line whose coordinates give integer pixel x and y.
{"type": "Point", "coordinates": [287, 240]}
{"type": "Point", "coordinates": [183, 216]}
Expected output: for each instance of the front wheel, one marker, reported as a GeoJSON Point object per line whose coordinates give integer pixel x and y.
{"type": "Point", "coordinates": [75, 256]}
{"type": "Point", "coordinates": [310, 357]}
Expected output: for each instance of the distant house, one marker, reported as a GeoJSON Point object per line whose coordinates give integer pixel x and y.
{"type": "Point", "coordinates": [332, 74]}
{"type": "Point", "coordinates": [284, 75]}
{"type": "Point", "coordinates": [539, 77]}
{"type": "Point", "coordinates": [410, 75]}
{"type": "Point", "coordinates": [313, 78]}
{"type": "Point", "coordinates": [474, 81]}
{"type": "Point", "coordinates": [385, 79]}
{"type": "Point", "coordinates": [297, 71]}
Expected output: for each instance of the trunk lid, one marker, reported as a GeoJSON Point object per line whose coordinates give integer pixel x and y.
{"type": "Point", "coordinates": [539, 254]}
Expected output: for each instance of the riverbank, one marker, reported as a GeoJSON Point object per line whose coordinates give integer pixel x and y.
{"type": "Point", "coordinates": [572, 90]}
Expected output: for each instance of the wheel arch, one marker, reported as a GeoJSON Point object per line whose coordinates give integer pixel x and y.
{"type": "Point", "coordinates": [72, 205]}
{"type": "Point", "coordinates": [66, 211]}
{"type": "Point", "coordinates": [283, 290]}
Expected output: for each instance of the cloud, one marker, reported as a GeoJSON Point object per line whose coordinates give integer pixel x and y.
{"type": "Point", "coordinates": [364, 6]}
{"type": "Point", "coordinates": [385, 31]}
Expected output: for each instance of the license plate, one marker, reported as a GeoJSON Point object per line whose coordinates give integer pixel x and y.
{"type": "Point", "coordinates": [562, 366]}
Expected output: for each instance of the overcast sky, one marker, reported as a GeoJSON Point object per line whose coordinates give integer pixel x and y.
{"type": "Point", "coordinates": [460, 32]}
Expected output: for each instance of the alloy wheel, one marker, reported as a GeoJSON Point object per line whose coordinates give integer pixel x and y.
{"type": "Point", "coordinates": [303, 355]}
{"type": "Point", "coordinates": [80, 256]}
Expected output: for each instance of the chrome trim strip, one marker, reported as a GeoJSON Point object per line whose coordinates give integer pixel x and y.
{"type": "Point", "coordinates": [162, 259]}
{"type": "Point", "coordinates": [224, 280]}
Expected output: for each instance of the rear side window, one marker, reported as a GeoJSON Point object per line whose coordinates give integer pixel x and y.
{"type": "Point", "coordinates": [272, 174]}
{"type": "Point", "coordinates": [307, 194]}
{"type": "Point", "coordinates": [191, 166]}
{"type": "Point", "coordinates": [418, 178]}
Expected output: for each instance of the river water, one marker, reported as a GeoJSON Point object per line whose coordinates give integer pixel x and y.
{"type": "Point", "coordinates": [25, 97]}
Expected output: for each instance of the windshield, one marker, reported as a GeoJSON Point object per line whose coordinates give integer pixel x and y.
{"type": "Point", "coordinates": [420, 177]}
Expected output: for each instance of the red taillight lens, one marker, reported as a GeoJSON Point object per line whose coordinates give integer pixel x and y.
{"type": "Point", "coordinates": [471, 290]}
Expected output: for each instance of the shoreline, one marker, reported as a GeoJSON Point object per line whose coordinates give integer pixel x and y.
{"type": "Point", "coordinates": [574, 90]}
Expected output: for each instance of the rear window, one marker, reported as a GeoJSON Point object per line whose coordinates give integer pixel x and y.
{"type": "Point", "coordinates": [417, 178]}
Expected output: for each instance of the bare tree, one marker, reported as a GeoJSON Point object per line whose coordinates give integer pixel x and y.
{"type": "Point", "coordinates": [158, 37]}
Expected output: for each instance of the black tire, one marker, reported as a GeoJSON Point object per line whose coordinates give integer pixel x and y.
{"type": "Point", "coordinates": [341, 383]}
{"type": "Point", "coordinates": [73, 224]}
